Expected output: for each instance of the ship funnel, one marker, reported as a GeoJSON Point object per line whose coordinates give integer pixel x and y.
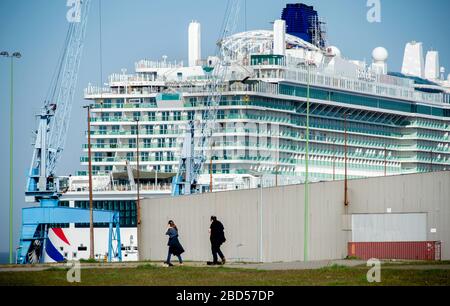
{"type": "Point", "coordinates": [413, 60]}
{"type": "Point", "coordinates": [279, 37]}
{"type": "Point", "coordinates": [195, 42]}
{"type": "Point", "coordinates": [432, 65]}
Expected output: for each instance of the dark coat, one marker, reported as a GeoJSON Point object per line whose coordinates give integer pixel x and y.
{"type": "Point", "coordinates": [217, 233]}
{"type": "Point", "coordinates": [174, 244]}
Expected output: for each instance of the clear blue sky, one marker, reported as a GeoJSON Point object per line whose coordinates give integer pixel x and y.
{"type": "Point", "coordinates": [136, 29]}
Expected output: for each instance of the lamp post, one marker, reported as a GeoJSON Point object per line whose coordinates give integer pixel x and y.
{"type": "Point", "coordinates": [306, 211]}
{"type": "Point", "coordinates": [91, 201]}
{"type": "Point", "coordinates": [11, 149]}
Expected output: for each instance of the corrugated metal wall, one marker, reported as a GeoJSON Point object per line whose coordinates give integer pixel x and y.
{"type": "Point", "coordinates": [283, 217]}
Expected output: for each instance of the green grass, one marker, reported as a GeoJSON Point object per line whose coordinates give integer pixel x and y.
{"type": "Point", "coordinates": [150, 275]}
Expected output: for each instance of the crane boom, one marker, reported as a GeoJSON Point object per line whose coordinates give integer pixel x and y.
{"type": "Point", "coordinates": [199, 132]}
{"type": "Point", "coordinates": [54, 117]}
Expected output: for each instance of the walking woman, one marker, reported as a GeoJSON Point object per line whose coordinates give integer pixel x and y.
{"type": "Point", "coordinates": [174, 244]}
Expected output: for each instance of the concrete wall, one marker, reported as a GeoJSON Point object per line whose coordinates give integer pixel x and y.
{"type": "Point", "coordinates": [282, 216]}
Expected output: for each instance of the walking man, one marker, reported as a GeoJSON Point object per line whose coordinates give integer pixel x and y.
{"type": "Point", "coordinates": [217, 238]}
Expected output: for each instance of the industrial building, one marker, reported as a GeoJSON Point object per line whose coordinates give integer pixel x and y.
{"type": "Point", "coordinates": [268, 225]}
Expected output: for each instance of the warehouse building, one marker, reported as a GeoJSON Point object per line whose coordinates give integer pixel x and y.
{"type": "Point", "coordinates": [406, 216]}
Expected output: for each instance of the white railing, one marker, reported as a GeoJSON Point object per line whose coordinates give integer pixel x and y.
{"type": "Point", "coordinates": [148, 64]}
{"type": "Point", "coordinates": [320, 78]}
{"type": "Point", "coordinates": [297, 75]}
{"type": "Point", "coordinates": [121, 187]}
{"type": "Point", "coordinates": [117, 77]}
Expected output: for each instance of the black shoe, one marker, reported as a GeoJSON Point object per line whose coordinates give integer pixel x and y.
{"type": "Point", "coordinates": [212, 263]}
{"type": "Point", "coordinates": [223, 261]}
{"type": "Point", "coordinates": [169, 264]}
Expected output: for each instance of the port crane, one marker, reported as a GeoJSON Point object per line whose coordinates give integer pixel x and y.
{"type": "Point", "coordinates": [198, 134]}
{"type": "Point", "coordinates": [43, 186]}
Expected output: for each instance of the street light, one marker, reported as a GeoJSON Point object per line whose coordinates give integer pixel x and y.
{"type": "Point", "coordinates": [91, 200]}
{"type": "Point", "coordinates": [307, 64]}
{"type": "Point", "coordinates": [11, 145]}
{"type": "Point", "coordinates": [306, 211]}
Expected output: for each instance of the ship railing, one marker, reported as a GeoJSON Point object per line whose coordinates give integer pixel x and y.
{"type": "Point", "coordinates": [148, 64]}
{"type": "Point", "coordinates": [117, 77]}
{"type": "Point", "coordinates": [321, 78]}
{"type": "Point", "coordinates": [122, 187]}
{"type": "Point", "coordinates": [300, 76]}
{"type": "Point", "coordinates": [143, 187]}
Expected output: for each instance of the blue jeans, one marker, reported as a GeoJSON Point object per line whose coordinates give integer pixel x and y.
{"type": "Point", "coordinates": [169, 256]}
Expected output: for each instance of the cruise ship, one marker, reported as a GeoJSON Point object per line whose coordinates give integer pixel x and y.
{"type": "Point", "coordinates": [363, 120]}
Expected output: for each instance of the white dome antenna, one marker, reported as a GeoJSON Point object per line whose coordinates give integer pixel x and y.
{"type": "Point", "coordinates": [380, 56]}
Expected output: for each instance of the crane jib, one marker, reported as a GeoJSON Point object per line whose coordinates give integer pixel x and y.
{"type": "Point", "coordinates": [55, 115]}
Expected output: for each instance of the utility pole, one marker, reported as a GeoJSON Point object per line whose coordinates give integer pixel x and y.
{"type": "Point", "coordinates": [11, 152]}
{"type": "Point", "coordinates": [261, 220]}
{"type": "Point", "coordinates": [431, 161]}
{"type": "Point", "coordinates": [211, 174]}
{"type": "Point", "coordinates": [138, 178]}
{"type": "Point", "coordinates": [91, 201]}
{"type": "Point", "coordinates": [277, 162]}
{"type": "Point", "coordinates": [334, 160]}
{"type": "Point", "coordinates": [211, 169]}
{"type": "Point", "coordinates": [346, 202]}
{"type": "Point", "coordinates": [385, 161]}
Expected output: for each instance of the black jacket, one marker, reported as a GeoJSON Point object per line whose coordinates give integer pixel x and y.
{"type": "Point", "coordinates": [217, 233]}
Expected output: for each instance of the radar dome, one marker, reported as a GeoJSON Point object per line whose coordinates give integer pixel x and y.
{"type": "Point", "coordinates": [334, 51]}
{"type": "Point", "coordinates": [380, 54]}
